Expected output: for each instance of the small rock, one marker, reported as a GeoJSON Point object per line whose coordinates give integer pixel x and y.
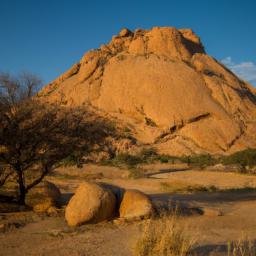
{"type": "Point", "coordinates": [114, 37]}
{"type": "Point", "coordinates": [138, 31]}
{"type": "Point", "coordinates": [43, 207]}
{"type": "Point", "coordinates": [119, 221]}
{"type": "Point", "coordinates": [125, 32]}
{"type": "Point", "coordinates": [211, 212]}
{"type": "Point", "coordinates": [52, 211]}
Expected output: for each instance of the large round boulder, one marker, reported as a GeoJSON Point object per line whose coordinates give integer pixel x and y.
{"type": "Point", "coordinates": [90, 203]}
{"type": "Point", "coordinates": [135, 204]}
{"type": "Point", "coordinates": [43, 196]}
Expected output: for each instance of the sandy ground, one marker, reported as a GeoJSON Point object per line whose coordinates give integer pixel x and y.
{"type": "Point", "coordinates": [41, 235]}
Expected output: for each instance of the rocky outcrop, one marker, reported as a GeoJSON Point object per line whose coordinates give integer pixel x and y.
{"type": "Point", "coordinates": [90, 203]}
{"type": "Point", "coordinates": [163, 85]}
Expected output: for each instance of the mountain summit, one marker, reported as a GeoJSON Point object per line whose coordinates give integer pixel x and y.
{"type": "Point", "coordinates": [163, 86]}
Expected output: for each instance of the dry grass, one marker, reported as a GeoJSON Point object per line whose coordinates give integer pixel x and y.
{"type": "Point", "coordinates": [164, 237]}
{"type": "Point", "coordinates": [136, 173]}
{"type": "Point", "coordinates": [82, 176]}
{"type": "Point", "coordinates": [242, 247]}
{"type": "Point", "coordinates": [182, 187]}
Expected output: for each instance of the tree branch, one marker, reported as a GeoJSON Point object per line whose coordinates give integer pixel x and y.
{"type": "Point", "coordinates": [38, 180]}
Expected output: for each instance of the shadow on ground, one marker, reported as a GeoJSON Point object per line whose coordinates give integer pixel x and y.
{"type": "Point", "coordinates": [192, 204]}
{"type": "Point", "coordinates": [211, 249]}
{"type": "Point", "coordinates": [167, 170]}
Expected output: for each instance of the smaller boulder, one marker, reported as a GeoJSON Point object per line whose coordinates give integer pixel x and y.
{"type": "Point", "coordinates": [210, 212]}
{"type": "Point", "coordinates": [43, 207]}
{"type": "Point", "coordinates": [125, 32]}
{"type": "Point", "coordinates": [52, 211]}
{"type": "Point", "coordinates": [90, 203]}
{"type": "Point", "coordinates": [135, 204]}
{"type": "Point", "coordinates": [43, 196]}
{"type": "Point", "coordinates": [87, 69]}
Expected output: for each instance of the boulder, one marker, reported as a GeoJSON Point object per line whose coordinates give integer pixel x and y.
{"type": "Point", "coordinates": [43, 207]}
{"type": "Point", "coordinates": [135, 204]}
{"type": "Point", "coordinates": [90, 203]}
{"type": "Point", "coordinates": [117, 191]}
{"type": "Point", "coordinates": [43, 196]}
{"type": "Point", "coordinates": [125, 32]}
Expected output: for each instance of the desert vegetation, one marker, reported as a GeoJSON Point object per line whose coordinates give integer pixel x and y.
{"type": "Point", "coordinates": [244, 160]}
{"type": "Point", "coordinates": [36, 138]}
{"type": "Point", "coordinates": [182, 187]}
{"type": "Point", "coordinates": [241, 247]}
{"type": "Point", "coordinates": [164, 236]}
{"type": "Point", "coordinates": [167, 236]}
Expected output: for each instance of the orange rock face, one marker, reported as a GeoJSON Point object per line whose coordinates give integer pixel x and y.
{"type": "Point", "coordinates": [162, 84]}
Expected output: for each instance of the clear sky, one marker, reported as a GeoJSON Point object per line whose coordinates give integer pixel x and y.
{"type": "Point", "coordinates": [47, 36]}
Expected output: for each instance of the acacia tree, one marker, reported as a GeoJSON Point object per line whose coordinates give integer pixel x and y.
{"type": "Point", "coordinates": [14, 91]}
{"type": "Point", "coordinates": [35, 137]}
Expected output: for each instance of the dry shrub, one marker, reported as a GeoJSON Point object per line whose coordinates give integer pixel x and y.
{"type": "Point", "coordinates": [184, 187]}
{"type": "Point", "coordinates": [242, 247]}
{"type": "Point", "coordinates": [164, 236]}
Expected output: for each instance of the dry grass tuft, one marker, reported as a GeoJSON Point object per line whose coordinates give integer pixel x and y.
{"type": "Point", "coordinates": [164, 237]}
{"type": "Point", "coordinates": [183, 187]}
{"type": "Point", "coordinates": [242, 247]}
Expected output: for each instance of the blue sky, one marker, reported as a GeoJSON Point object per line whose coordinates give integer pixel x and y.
{"type": "Point", "coordinates": [47, 36]}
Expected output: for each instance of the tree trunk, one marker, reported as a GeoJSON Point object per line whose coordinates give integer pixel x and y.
{"type": "Point", "coordinates": [22, 195]}
{"type": "Point", "coordinates": [22, 189]}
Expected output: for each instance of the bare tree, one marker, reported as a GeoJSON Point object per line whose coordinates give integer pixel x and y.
{"type": "Point", "coordinates": [35, 137]}
{"type": "Point", "coordinates": [16, 90]}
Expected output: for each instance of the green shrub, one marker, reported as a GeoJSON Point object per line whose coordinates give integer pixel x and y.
{"type": "Point", "coordinates": [168, 159]}
{"type": "Point", "coordinates": [202, 160]}
{"type": "Point", "coordinates": [149, 155]}
{"type": "Point", "coordinates": [243, 158]}
{"type": "Point", "coordinates": [146, 155]}
{"type": "Point", "coordinates": [163, 159]}
{"type": "Point", "coordinates": [126, 159]}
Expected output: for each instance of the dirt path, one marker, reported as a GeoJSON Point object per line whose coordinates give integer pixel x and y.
{"type": "Point", "coordinates": [51, 236]}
